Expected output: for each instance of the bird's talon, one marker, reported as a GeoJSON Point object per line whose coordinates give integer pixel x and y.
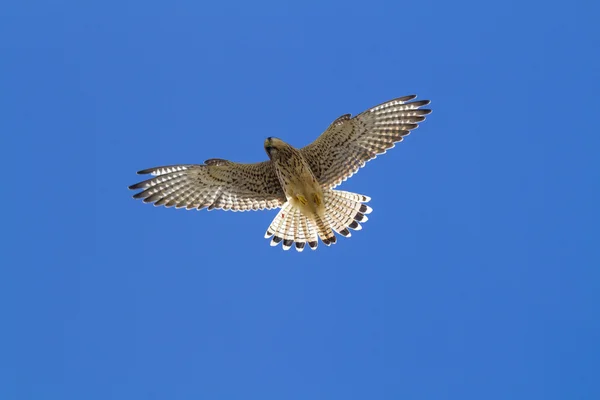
{"type": "Point", "coordinates": [302, 199]}
{"type": "Point", "coordinates": [316, 199]}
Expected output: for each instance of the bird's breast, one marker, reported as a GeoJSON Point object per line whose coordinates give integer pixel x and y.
{"type": "Point", "coordinates": [300, 186]}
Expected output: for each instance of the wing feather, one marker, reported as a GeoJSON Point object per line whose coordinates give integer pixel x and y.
{"type": "Point", "coordinates": [349, 143]}
{"type": "Point", "coordinates": [216, 184]}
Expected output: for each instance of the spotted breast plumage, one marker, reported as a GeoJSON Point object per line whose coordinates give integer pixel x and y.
{"type": "Point", "coordinates": [301, 182]}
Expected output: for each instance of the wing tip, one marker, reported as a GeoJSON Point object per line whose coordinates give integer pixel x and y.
{"type": "Point", "coordinates": [406, 98]}
{"type": "Point", "coordinates": [421, 103]}
{"type": "Point", "coordinates": [145, 171]}
{"type": "Point", "coordinates": [136, 186]}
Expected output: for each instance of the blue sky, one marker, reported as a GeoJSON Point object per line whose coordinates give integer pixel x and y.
{"type": "Point", "coordinates": [476, 277]}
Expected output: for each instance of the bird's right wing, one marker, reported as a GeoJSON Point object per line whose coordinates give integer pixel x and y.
{"type": "Point", "coordinates": [216, 184]}
{"type": "Point", "coordinates": [350, 142]}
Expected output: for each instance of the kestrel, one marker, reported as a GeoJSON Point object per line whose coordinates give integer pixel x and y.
{"type": "Point", "coordinates": [299, 181]}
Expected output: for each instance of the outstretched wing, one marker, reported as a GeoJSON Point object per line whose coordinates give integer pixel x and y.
{"type": "Point", "coordinates": [349, 143]}
{"type": "Point", "coordinates": [216, 184]}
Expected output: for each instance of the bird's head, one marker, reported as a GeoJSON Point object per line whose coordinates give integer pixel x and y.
{"type": "Point", "coordinates": [274, 147]}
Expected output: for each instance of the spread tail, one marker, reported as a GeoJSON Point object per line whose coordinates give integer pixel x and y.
{"type": "Point", "coordinates": [343, 211]}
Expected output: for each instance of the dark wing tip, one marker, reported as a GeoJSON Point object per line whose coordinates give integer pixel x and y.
{"type": "Point", "coordinates": [409, 127]}
{"type": "Point", "coordinates": [406, 98]}
{"type": "Point", "coordinates": [139, 185]}
{"type": "Point", "coordinates": [420, 103]}
{"type": "Point", "coordinates": [140, 195]}
{"type": "Point", "coordinates": [146, 171]}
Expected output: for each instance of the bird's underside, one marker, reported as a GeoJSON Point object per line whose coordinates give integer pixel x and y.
{"type": "Point", "coordinates": [299, 181]}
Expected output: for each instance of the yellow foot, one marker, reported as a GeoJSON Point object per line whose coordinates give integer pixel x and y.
{"type": "Point", "coordinates": [317, 199]}
{"type": "Point", "coordinates": [302, 199]}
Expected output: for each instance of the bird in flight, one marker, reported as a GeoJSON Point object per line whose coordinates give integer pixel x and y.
{"type": "Point", "coordinates": [299, 181]}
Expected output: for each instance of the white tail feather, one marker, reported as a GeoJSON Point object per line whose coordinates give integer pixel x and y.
{"type": "Point", "coordinates": [343, 211]}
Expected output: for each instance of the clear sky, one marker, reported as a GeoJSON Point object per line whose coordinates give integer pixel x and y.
{"type": "Point", "coordinates": [476, 277]}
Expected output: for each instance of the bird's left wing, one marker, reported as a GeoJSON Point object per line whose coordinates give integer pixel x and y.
{"type": "Point", "coordinates": [216, 184]}
{"type": "Point", "coordinates": [349, 143]}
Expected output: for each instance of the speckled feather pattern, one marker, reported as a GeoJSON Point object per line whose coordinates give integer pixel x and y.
{"type": "Point", "coordinates": [333, 157]}
{"type": "Point", "coordinates": [345, 211]}
{"type": "Point", "coordinates": [216, 184]}
{"type": "Point", "coordinates": [349, 143]}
